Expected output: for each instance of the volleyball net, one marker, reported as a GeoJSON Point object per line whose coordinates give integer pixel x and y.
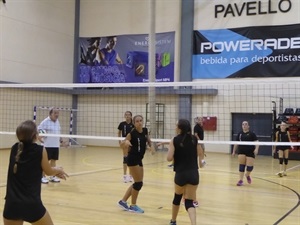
{"type": "Point", "coordinates": [90, 113]}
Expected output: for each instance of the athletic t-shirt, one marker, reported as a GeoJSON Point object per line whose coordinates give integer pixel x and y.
{"type": "Point", "coordinates": [138, 142]}
{"type": "Point", "coordinates": [199, 130]}
{"type": "Point", "coordinates": [186, 156]}
{"type": "Point", "coordinates": [25, 185]}
{"type": "Point", "coordinates": [110, 57]}
{"type": "Point", "coordinates": [125, 128]}
{"type": "Point", "coordinates": [283, 137]}
{"type": "Point", "coordinates": [51, 127]}
{"type": "Point", "coordinates": [246, 136]}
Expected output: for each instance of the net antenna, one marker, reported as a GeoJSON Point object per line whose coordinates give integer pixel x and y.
{"type": "Point", "coordinates": [72, 142]}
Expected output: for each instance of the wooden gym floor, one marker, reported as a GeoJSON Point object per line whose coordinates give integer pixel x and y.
{"type": "Point", "coordinates": [90, 195]}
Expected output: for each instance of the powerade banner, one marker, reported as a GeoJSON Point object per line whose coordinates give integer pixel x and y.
{"type": "Point", "coordinates": [124, 58]}
{"type": "Point", "coordinates": [266, 51]}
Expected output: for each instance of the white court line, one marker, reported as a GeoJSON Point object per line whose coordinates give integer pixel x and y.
{"type": "Point", "coordinates": [76, 174]}
{"type": "Point", "coordinates": [89, 172]}
{"type": "Point", "coordinates": [294, 167]}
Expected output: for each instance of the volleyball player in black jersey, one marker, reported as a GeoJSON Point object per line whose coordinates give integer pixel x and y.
{"type": "Point", "coordinates": [246, 153]}
{"type": "Point", "coordinates": [283, 151]}
{"type": "Point", "coordinates": [136, 142]}
{"type": "Point", "coordinates": [23, 191]}
{"type": "Point", "coordinates": [187, 154]}
{"type": "Point", "coordinates": [124, 128]}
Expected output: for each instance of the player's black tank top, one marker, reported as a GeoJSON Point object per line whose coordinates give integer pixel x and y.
{"type": "Point", "coordinates": [283, 136]}
{"type": "Point", "coordinates": [138, 142]}
{"type": "Point", "coordinates": [25, 184]}
{"type": "Point", "coordinates": [186, 157]}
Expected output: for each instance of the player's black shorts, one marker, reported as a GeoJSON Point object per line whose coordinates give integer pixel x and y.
{"type": "Point", "coordinates": [283, 148]}
{"type": "Point", "coordinates": [248, 153]}
{"type": "Point", "coordinates": [134, 160]}
{"type": "Point", "coordinates": [30, 212]}
{"type": "Point", "coordinates": [187, 177]}
{"type": "Point", "coordinates": [53, 153]}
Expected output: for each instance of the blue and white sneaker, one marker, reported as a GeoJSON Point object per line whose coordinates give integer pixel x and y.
{"type": "Point", "coordinates": [172, 222]}
{"type": "Point", "coordinates": [123, 205]}
{"type": "Point", "coordinates": [135, 209]}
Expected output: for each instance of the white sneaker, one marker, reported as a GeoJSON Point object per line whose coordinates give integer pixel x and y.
{"type": "Point", "coordinates": [284, 173]}
{"type": "Point", "coordinates": [45, 180]}
{"type": "Point", "coordinates": [280, 174]}
{"type": "Point", "coordinates": [130, 178]}
{"type": "Point", "coordinates": [203, 162]}
{"type": "Point", "coordinates": [125, 180]}
{"type": "Point", "coordinates": [54, 179]}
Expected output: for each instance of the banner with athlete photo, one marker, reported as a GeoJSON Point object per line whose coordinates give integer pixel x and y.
{"type": "Point", "coordinates": [124, 59]}
{"type": "Point", "coordinates": [266, 51]}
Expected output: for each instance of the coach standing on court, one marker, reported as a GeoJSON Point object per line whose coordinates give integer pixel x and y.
{"type": "Point", "coordinates": [246, 153]}
{"type": "Point", "coordinates": [51, 125]}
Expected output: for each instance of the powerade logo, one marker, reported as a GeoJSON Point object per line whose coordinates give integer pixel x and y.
{"type": "Point", "coordinates": [250, 45]}
{"type": "Point", "coordinates": [221, 53]}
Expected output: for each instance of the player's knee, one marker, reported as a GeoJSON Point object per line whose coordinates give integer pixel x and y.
{"type": "Point", "coordinates": [242, 168]}
{"type": "Point", "coordinates": [188, 203]}
{"type": "Point", "coordinates": [177, 199]}
{"type": "Point", "coordinates": [125, 160]}
{"type": "Point", "coordinates": [137, 185]}
{"type": "Point", "coordinates": [286, 161]}
{"type": "Point", "coordinates": [249, 168]}
{"type": "Point", "coordinates": [280, 160]}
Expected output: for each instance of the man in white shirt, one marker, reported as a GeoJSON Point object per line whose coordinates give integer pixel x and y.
{"type": "Point", "coordinates": [51, 125]}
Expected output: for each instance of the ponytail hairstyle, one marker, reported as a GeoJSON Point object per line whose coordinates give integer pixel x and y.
{"type": "Point", "coordinates": [26, 133]}
{"type": "Point", "coordinates": [185, 130]}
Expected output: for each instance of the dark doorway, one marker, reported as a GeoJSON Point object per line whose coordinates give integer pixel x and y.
{"type": "Point", "coordinates": [260, 123]}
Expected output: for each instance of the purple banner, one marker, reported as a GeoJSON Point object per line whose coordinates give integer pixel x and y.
{"type": "Point", "coordinates": [124, 59]}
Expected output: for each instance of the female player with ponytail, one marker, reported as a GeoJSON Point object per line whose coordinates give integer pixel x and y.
{"type": "Point", "coordinates": [187, 155]}
{"type": "Point", "coordinates": [136, 141]}
{"type": "Point", "coordinates": [27, 162]}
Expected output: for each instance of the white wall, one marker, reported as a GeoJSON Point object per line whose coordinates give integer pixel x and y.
{"type": "Point", "coordinates": [115, 17]}
{"type": "Point", "coordinates": [37, 41]}
{"type": "Point", "coordinates": [37, 37]}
